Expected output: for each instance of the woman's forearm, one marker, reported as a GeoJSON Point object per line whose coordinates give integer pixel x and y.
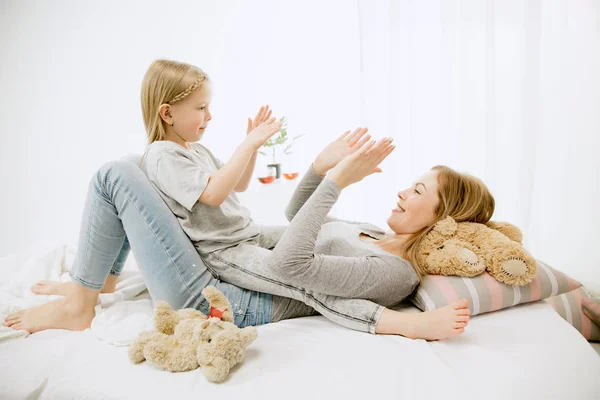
{"type": "Point", "coordinates": [310, 181]}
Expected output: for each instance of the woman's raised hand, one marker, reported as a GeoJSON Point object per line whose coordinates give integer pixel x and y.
{"type": "Point", "coordinates": [361, 163]}
{"type": "Point", "coordinates": [340, 148]}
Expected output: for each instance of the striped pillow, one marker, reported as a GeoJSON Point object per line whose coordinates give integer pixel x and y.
{"type": "Point", "coordinates": [486, 294]}
{"type": "Point", "coordinates": [591, 308]}
{"type": "Point", "coordinates": [569, 306]}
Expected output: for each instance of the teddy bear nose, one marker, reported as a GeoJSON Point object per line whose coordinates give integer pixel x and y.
{"type": "Point", "coordinates": [514, 267]}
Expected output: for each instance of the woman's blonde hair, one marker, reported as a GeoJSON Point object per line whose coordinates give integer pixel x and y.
{"type": "Point", "coordinates": [167, 82]}
{"type": "Point", "coordinates": [461, 196]}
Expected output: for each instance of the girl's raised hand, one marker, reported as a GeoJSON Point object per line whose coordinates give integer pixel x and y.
{"type": "Point", "coordinates": [263, 114]}
{"type": "Point", "coordinates": [259, 135]}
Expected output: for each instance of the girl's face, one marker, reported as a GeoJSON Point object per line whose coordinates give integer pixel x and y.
{"type": "Point", "coordinates": [416, 205]}
{"type": "Point", "coordinates": [191, 115]}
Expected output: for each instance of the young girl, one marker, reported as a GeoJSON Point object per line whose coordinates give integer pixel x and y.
{"type": "Point", "coordinates": [339, 268]}
{"type": "Point", "coordinates": [200, 191]}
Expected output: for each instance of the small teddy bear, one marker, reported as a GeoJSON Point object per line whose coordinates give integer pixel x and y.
{"type": "Point", "coordinates": [183, 335]}
{"type": "Point", "coordinates": [467, 249]}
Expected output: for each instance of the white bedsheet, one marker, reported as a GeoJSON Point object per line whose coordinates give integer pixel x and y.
{"type": "Point", "coordinates": [526, 352]}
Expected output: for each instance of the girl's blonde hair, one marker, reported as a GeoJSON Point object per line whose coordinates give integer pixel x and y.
{"type": "Point", "coordinates": [461, 196]}
{"type": "Point", "coordinates": [167, 82]}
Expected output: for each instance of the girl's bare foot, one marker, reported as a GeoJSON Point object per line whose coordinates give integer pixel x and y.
{"type": "Point", "coordinates": [52, 288]}
{"type": "Point", "coordinates": [439, 324]}
{"type": "Point", "coordinates": [63, 288]}
{"type": "Point", "coordinates": [58, 314]}
{"type": "Point", "coordinates": [74, 312]}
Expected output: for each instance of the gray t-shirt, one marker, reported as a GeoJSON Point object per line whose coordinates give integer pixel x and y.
{"type": "Point", "coordinates": [180, 176]}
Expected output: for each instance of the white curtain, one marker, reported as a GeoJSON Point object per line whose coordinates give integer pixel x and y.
{"type": "Point", "coordinates": [507, 90]}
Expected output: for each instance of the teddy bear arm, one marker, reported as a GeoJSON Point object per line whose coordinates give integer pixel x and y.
{"type": "Point", "coordinates": [217, 370]}
{"type": "Point", "coordinates": [136, 349]}
{"type": "Point", "coordinates": [512, 264]}
{"type": "Point", "coordinates": [165, 318]}
{"type": "Point", "coordinates": [219, 303]}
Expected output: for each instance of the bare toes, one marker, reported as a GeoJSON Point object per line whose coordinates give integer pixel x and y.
{"type": "Point", "coordinates": [463, 318]}
{"type": "Point", "coordinates": [460, 324]}
{"type": "Point", "coordinates": [460, 304]}
{"type": "Point", "coordinates": [15, 316]}
{"type": "Point", "coordinates": [458, 331]}
{"type": "Point", "coordinates": [39, 288]}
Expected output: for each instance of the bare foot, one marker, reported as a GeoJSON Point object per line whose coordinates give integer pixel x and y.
{"type": "Point", "coordinates": [52, 288]}
{"type": "Point", "coordinates": [438, 324]}
{"type": "Point", "coordinates": [59, 314]}
{"type": "Point", "coordinates": [63, 288]}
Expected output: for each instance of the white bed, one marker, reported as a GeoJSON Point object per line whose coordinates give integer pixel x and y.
{"type": "Point", "coordinates": [526, 352]}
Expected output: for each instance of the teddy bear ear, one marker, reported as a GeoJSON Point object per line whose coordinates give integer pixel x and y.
{"type": "Point", "coordinates": [509, 230]}
{"type": "Point", "coordinates": [446, 226]}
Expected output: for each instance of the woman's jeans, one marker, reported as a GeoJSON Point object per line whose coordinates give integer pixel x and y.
{"type": "Point", "coordinates": [122, 212]}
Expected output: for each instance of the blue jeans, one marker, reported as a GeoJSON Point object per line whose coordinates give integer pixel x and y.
{"type": "Point", "coordinates": [123, 212]}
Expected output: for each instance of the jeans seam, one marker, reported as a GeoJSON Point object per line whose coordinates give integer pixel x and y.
{"type": "Point", "coordinates": [210, 269]}
{"type": "Point", "coordinates": [373, 316]}
{"type": "Point", "coordinates": [368, 323]}
{"type": "Point", "coordinates": [115, 260]}
{"type": "Point", "coordinates": [112, 269]}
{"type": "Point", "coordinates": [159, 241]}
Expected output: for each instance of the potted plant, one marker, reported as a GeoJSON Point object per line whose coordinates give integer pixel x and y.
{"type": "Point", "coordinates": [275, 143]}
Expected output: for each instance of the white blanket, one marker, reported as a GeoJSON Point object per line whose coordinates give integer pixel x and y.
{"type": "Point", "coordinates": [525, 352]}
{"type": "Point", "coordinates": [120, 316]}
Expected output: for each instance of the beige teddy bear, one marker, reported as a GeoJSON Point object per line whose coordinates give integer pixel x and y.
{"type": "Point", "coordinates": [467, 249]}
{"type": "Point", "coordinates": [187, 339]}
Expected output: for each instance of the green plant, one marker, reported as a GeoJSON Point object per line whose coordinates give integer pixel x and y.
{"type": "Point", "coordinates": [281, 139]}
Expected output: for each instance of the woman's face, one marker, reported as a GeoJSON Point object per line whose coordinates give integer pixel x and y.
{"type": "Point", "coordinates": [416, 205]}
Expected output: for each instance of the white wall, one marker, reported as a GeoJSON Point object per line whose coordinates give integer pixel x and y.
{"type": "Point", "coordinates": [508, 91]}
{"type": "Point", "coordinates": [70, 81]}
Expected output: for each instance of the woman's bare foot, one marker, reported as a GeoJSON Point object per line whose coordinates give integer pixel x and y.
{"type": "Point", "coordinates": [442, 323]}
{"type": "Point", "coordinates": [439, 324]}
{"type": "Point", "coordinates": [73, 312]}
{"type": "Point", "coordinates": [52, 288]}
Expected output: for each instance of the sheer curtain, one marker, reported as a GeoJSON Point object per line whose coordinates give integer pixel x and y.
{"type": "Point", "coordinates": [506, 90]}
